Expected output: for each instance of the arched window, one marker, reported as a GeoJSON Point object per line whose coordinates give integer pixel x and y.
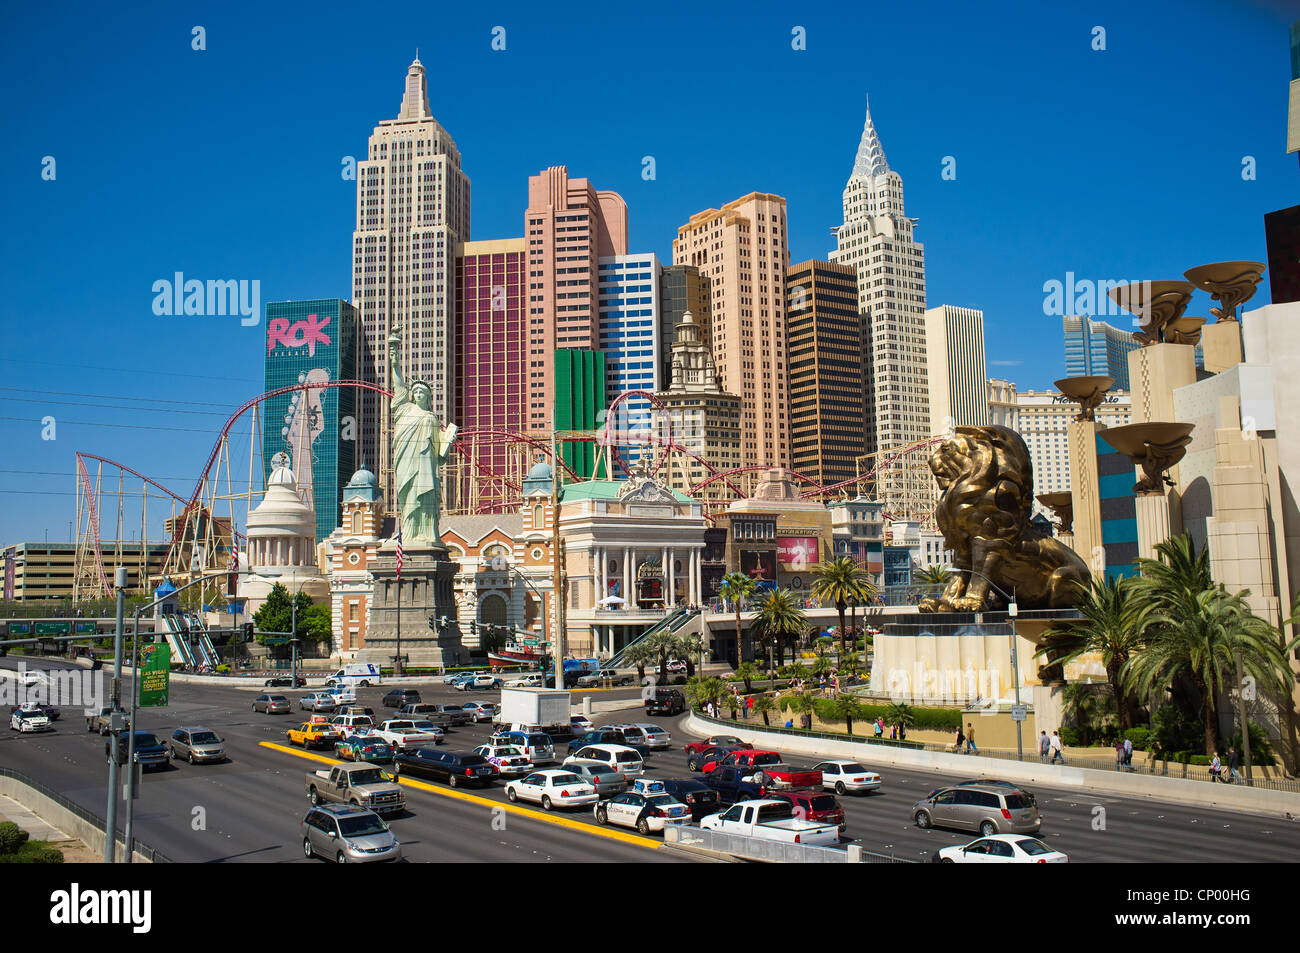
{"type": "Point", "coordinates": [539, 515]}
{"type": "Point", "coordinates": [356, 522]}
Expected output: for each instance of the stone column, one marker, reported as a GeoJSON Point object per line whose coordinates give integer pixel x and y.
{"type": "Point", "coordinates": [1158, 518]}
{"type": "Point", "coordinates": [666, 577]}
{"type": "Point", "coordinates": [627, 575]}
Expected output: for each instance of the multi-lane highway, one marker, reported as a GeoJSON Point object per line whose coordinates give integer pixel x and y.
{"type": "Point", "coordinates": [250, 808]}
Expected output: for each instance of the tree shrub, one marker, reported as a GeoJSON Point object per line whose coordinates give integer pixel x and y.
{"type": "Point", "coordinates": [1071, 736]}
{"type": "Point", "coordinates": [1261, 749]}
{"type": "Point", "coordinates": [12, 837]}
{"type": "Point", "coordinates": [1140, 736]}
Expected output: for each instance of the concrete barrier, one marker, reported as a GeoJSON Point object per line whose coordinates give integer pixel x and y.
{"type": "Point", "coordinates": [55, 814]}
{"type": "Point", "coordinates": [1234, 797]}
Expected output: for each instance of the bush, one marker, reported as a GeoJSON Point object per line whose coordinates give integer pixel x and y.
{"type": "Point", "coordinates": [1261, 749]}
{"type": "Point", "coordinates": [939, 719]}
{"type": "Point", "coordinates": [1140, 736]}
{"type": "Point", "coordinates": [1071, 737]}
{"type": "Point", "coordinates": [12, 837]}
{"type": "Point", "coordinates": [35, 852]}
{"type": "Point", "coordinates": [1174, 731]}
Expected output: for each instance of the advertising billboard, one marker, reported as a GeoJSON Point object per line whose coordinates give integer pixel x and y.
{"type": "Point", "coordinates": [312, 343]}
{"type": "Point", "coordinates": [155, 676]}
{"type": "Point", "coordinates": [759, 564]}
{"type": "Point", "coordinates": [797, 552]}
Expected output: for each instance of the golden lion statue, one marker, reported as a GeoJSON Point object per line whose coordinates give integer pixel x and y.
{"type": "Point", "coordinates": [987, 484]}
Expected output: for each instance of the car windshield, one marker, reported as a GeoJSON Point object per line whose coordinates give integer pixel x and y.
{"type": "Point", "coordinates": [360, 825]}
{"type": "Point", "coordinates": [822, 802]}
{"type": "Point", "coordinates": [1033, 847]}
{"type": "Point", "coordinates": [1016, 802]}
{"type": "Point", "coordinates": [373, 776]}
{"type": "Point", "coordinates": [278, 698]}
{"type": "Point", "coordinates": [565, 779]}
{"type": "Point", "coordinates": [663, 800]}
{"type": "Point", "coordinates": [204, 738]}
{"type": "Point", "coordinates": [144, 739]}
{"type": "Point", "coordinates": [767, 759]}
{"type": "Point", "coordinates": [628, 757]}
{"type": "Point", "coordinates": [852, 768]}
{"type": "Point", "coordinates": [426, 725]}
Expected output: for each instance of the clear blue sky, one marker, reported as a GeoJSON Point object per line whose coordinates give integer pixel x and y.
{"type": "Point", "coordinates": [225, 164]}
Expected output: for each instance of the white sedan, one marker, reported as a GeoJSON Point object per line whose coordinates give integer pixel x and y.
{"type": "Point", "coordinates": [552, 788]}
{"type": "Point", "coordinates": [1002, 849]}
{"type": "Point", "coordinates": [29, 719]}
{"type": "Point", "coordinates": [510, 760]}
{"type": "Point", "coordinates": [844, 776]}
{"type": "Point", "coordinates": [478, 682]}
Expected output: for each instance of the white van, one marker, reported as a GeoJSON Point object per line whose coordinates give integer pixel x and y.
{"type": "Point", "coordinates": [363, 674]}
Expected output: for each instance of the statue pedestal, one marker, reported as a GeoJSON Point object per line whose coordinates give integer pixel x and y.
{"type": "Point", "coordinates": [1221, 345]}
{"type": "Point", "coordinates": [1159, 516]}
{"type": "Point", "coordinates": [427, 576]}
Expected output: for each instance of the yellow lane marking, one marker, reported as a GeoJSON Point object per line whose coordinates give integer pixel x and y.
{"type": "Point", "coordinates": [634, 839]}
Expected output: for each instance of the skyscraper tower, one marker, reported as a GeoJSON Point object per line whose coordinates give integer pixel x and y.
{"type": "Point", "coordinates": [412, 208]}
{"type": "Point", "coordinates": [1094, 348]}
{"type": "Point", "coordinates": [876, 239]}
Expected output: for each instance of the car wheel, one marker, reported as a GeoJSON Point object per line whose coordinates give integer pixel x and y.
{"type": "Point", "coordinates": [454, 780]}
{"type": "Point", "coordinates": [692, 764]}
{"type": "Point", "coordinates": [511, 795]}
{"type": "Point", "coordinates": [306, 848]}
{"type": "Point", "coordinates": [342, 858]}
{"type": "Point", "coordinates": [602, 816]}
{"type": "Point", "coordinates": [365, 684]}
{"type": "Point", "coordinates": [171, 753]}
{"type": "Point", "coordinates": [839, 788]}
{"type": "Point", "coordinates": [314, 796]}
{"type": "Point", "coordinates": [643, 827]}
{"type": "Point", "coordinates": [252, 707]}
{"type": "Point", "coordinates": [947, 860]}
{"type": "Point", "coordinates": [191, 759]}
{"type": "Point", "coordinates": [546, 802]}
{"type": "Point", "coordinates": [923, 819]}
{"type": "Point", "coordinates": [354, 802]}
{"type": "Point", "coordinates": [988, 829]}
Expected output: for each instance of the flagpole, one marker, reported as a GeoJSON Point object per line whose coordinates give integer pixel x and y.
{"type": "Point", "coordinates": [397, 659]}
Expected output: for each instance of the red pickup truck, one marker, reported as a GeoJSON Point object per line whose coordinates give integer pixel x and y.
{"type": "Point", "coordinates": [785, 776]}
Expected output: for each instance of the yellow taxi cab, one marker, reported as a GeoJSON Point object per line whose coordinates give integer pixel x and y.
{"type": "Point", "coordinates": [313, 734]}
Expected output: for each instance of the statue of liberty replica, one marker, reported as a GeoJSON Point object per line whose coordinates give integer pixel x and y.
{"type": "Point", "coordinates": [420, 447]}
{"type": "Point", "coordinates": [413, 609]}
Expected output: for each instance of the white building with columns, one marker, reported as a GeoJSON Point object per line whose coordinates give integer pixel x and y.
{"type": "Point", "coordinates": [632, 552]}
{"type": "Point", "coordinates": [282, 544]}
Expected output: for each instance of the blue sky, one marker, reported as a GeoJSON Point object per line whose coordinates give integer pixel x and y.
{"type": "Point", "coordinates": [225, 163]}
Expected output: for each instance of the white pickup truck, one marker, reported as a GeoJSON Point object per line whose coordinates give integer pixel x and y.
{"type": "Point", "coordinates": [771, 820]}
{"type": "Point", "coordinates": [403, 734]}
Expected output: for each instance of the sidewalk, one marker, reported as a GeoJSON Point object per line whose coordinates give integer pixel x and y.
{"type": "Point", "coordinates": [74, 851]}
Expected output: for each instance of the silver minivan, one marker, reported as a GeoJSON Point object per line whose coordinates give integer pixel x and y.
{"type": "Point", "coordinates": [348, 835]}
{"type": "Point", "coordinates": [196, 744]}
{"type": "Point", "coordinates": [986, 808]}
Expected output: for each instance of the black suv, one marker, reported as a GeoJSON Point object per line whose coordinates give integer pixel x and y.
{"type": "Point", "coordinates": [666, 701]}
{"type": "Point", "coordinates": [698, 796]}
{"type": "Point", "coordinates": [149, 751]}
{"type": "Point", "coordinates": [397, 697]}
{"type": "Point", "coordinates": [450, 766]}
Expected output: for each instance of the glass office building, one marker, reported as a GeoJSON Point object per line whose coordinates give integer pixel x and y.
{"type": "Point", "coordinates": [630, 336]}
{"type": "Point", "coordinates": [312, 342]}
{"type": "Point", "coordinates": [1095, 349]}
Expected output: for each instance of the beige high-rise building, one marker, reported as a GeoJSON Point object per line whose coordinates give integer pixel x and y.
{"type": "Point", "coordinates": [876, 239]}
{"type": "Point", "coordinates": [954, 347]}
{"type": "Point", "coordinates": [412, 208]}
{"type": "Point", "coordinates": [743, 249]}
{"type": "Point", "coordinates": [705, 419]}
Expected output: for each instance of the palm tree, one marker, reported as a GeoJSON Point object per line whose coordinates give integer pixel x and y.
{"type": "Point", "coordinates": [701, 691]}
{"type": "Point", "coordinates": [662, 644]}
{"type": "Point", "coordinates": [801, 703]}
{"type": "Point", "coordinates": [900, 715]}
{"type": "Point", "coordinates": [845, 707]}
{"type": "Point", "coordinates": [935, 575]}
{"type": "Point", "coordinates": [639, 655]}
{"type": "Point", "coordinates": [837, 581]}
{"type": "Point", "coordinates": [747, 671]}
{"type": "Point", "coordinates": [1113, 625]}
{"type": "Point", "coordinates": [736, 587]}
{"type": "Point", "coordinates": [690, 647]}
{"type": "Point", "coordinates": [1084, 707]}
{"type": "Point", "coordinates": [1199, 632]}
{"type": "Point", "coordinates": [763, 705]}
{"type": "Point", "coordinates": [780, 619]}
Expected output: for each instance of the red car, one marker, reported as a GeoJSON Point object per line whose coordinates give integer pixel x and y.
{"type": "Point", "coordinates": [784, 776]}
{"type": "Point", "coordinates": [814, 806]}
{"type": "Point", "coordinates": [713, 741]}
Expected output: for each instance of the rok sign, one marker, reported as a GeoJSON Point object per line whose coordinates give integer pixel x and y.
{"type": "Point", "coordinates": [155, 676]}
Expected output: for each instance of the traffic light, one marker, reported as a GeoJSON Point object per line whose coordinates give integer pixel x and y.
{"type": "Point", "coordinates": [248, 632]}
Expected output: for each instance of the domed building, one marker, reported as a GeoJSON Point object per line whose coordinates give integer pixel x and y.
{"type": "Point", "coordinates": [349, 552]}
{"type": "Point", "coordinates": [281, 544]}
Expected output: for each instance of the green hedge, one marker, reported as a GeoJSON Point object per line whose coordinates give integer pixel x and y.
{"type": "Point", "coordinates": [943, 719]}
{"type": "Point", "coordinates": [35, 852]}
{"type": "Point", "coordinates": [1140, 736]}
{"type": "Point", "coordinates": [12, 837]}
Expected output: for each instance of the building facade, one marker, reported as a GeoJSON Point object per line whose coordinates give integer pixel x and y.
{"type": "Point", "coordinates": [827, 380]}
{"type": "Point", "coordinates": [569, 227]}
{"type": "Point", "coordinates": [704, 418]}
{"type": "Point", "coordinates": [349, 552]}
{"type": "Point", "coordinates": [491, 368]}
{"type": "Point", "coordinates": [858, 531]}
{"type": "Point", "coordinates": [578, 391]}
{"type": "Point", "coordinates": [877, 240]}
{"type": "Point", "coordinates": [35, 572]}
{"type": "Point", "coordinates": [954, 347]}
{"type": "Point", "coordinates": [1042, 418]}
{"type": "Point", "coordinates": [776, 536]}
{"type": "Point", "coordinates": [681, 288]}
{"type": "Point", "coordinates": [742, 248]}
{"type": "Point", "coordinates": [1096, 349]}
{"type": "Point", "coordinates": [312, 342]}
{"type": "Point", "coordinates": [412, 209]}
{"type": "Point", "coordinates": [628, 289]}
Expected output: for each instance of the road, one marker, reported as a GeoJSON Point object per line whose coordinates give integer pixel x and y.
{"type": "Point", "coordinates": [250, 809]}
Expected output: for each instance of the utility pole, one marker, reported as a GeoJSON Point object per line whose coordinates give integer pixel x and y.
{"type": "Point", "coordinates": [557, 579]}
{"type": "Point", "coordinates": [110, 825]}
{"type": "Point", "coordinates": [1012, 611]}
{"type": "Point", "coordinates": [1241, 715]}
{"type": "Point", "coordinates": [293, 630]}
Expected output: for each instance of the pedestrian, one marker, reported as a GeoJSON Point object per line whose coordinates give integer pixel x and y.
{"type": "Point", "coordinates": [893, 733]}
{"type": "Point", "coordinates": [878, 731]}
{"type": "Point", "coordinates": [970, 739]}
{"type": "Point", "coordinates": [1128, 754]}
{"type": "Point", "coordinates": [902, 732]}
{"type": "Point", "coordinates": [1119, 756]}
{"type": "Point", "coordinates": [789, 722]}
{"type": "Point", "coordinates": [709, 708]}
{"type": "Point", "coordinates": [749, 706]}
{"type": "Point", "coordinates": [961, 739]}
{"type": "Point", "coordinates": [1216, 768]}
{"type": "Point", "coordinates": [1056, 749]}
{"type": "Point", "coordinates": [1234, 763]}
{"type": "Point", "coordinates": [1044, 745]}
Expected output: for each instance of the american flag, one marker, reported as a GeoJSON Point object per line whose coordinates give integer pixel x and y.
{"type": "Point", "coordinates": [234, 549]}
{"type": "Point", "coordinates": [399, 552]}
